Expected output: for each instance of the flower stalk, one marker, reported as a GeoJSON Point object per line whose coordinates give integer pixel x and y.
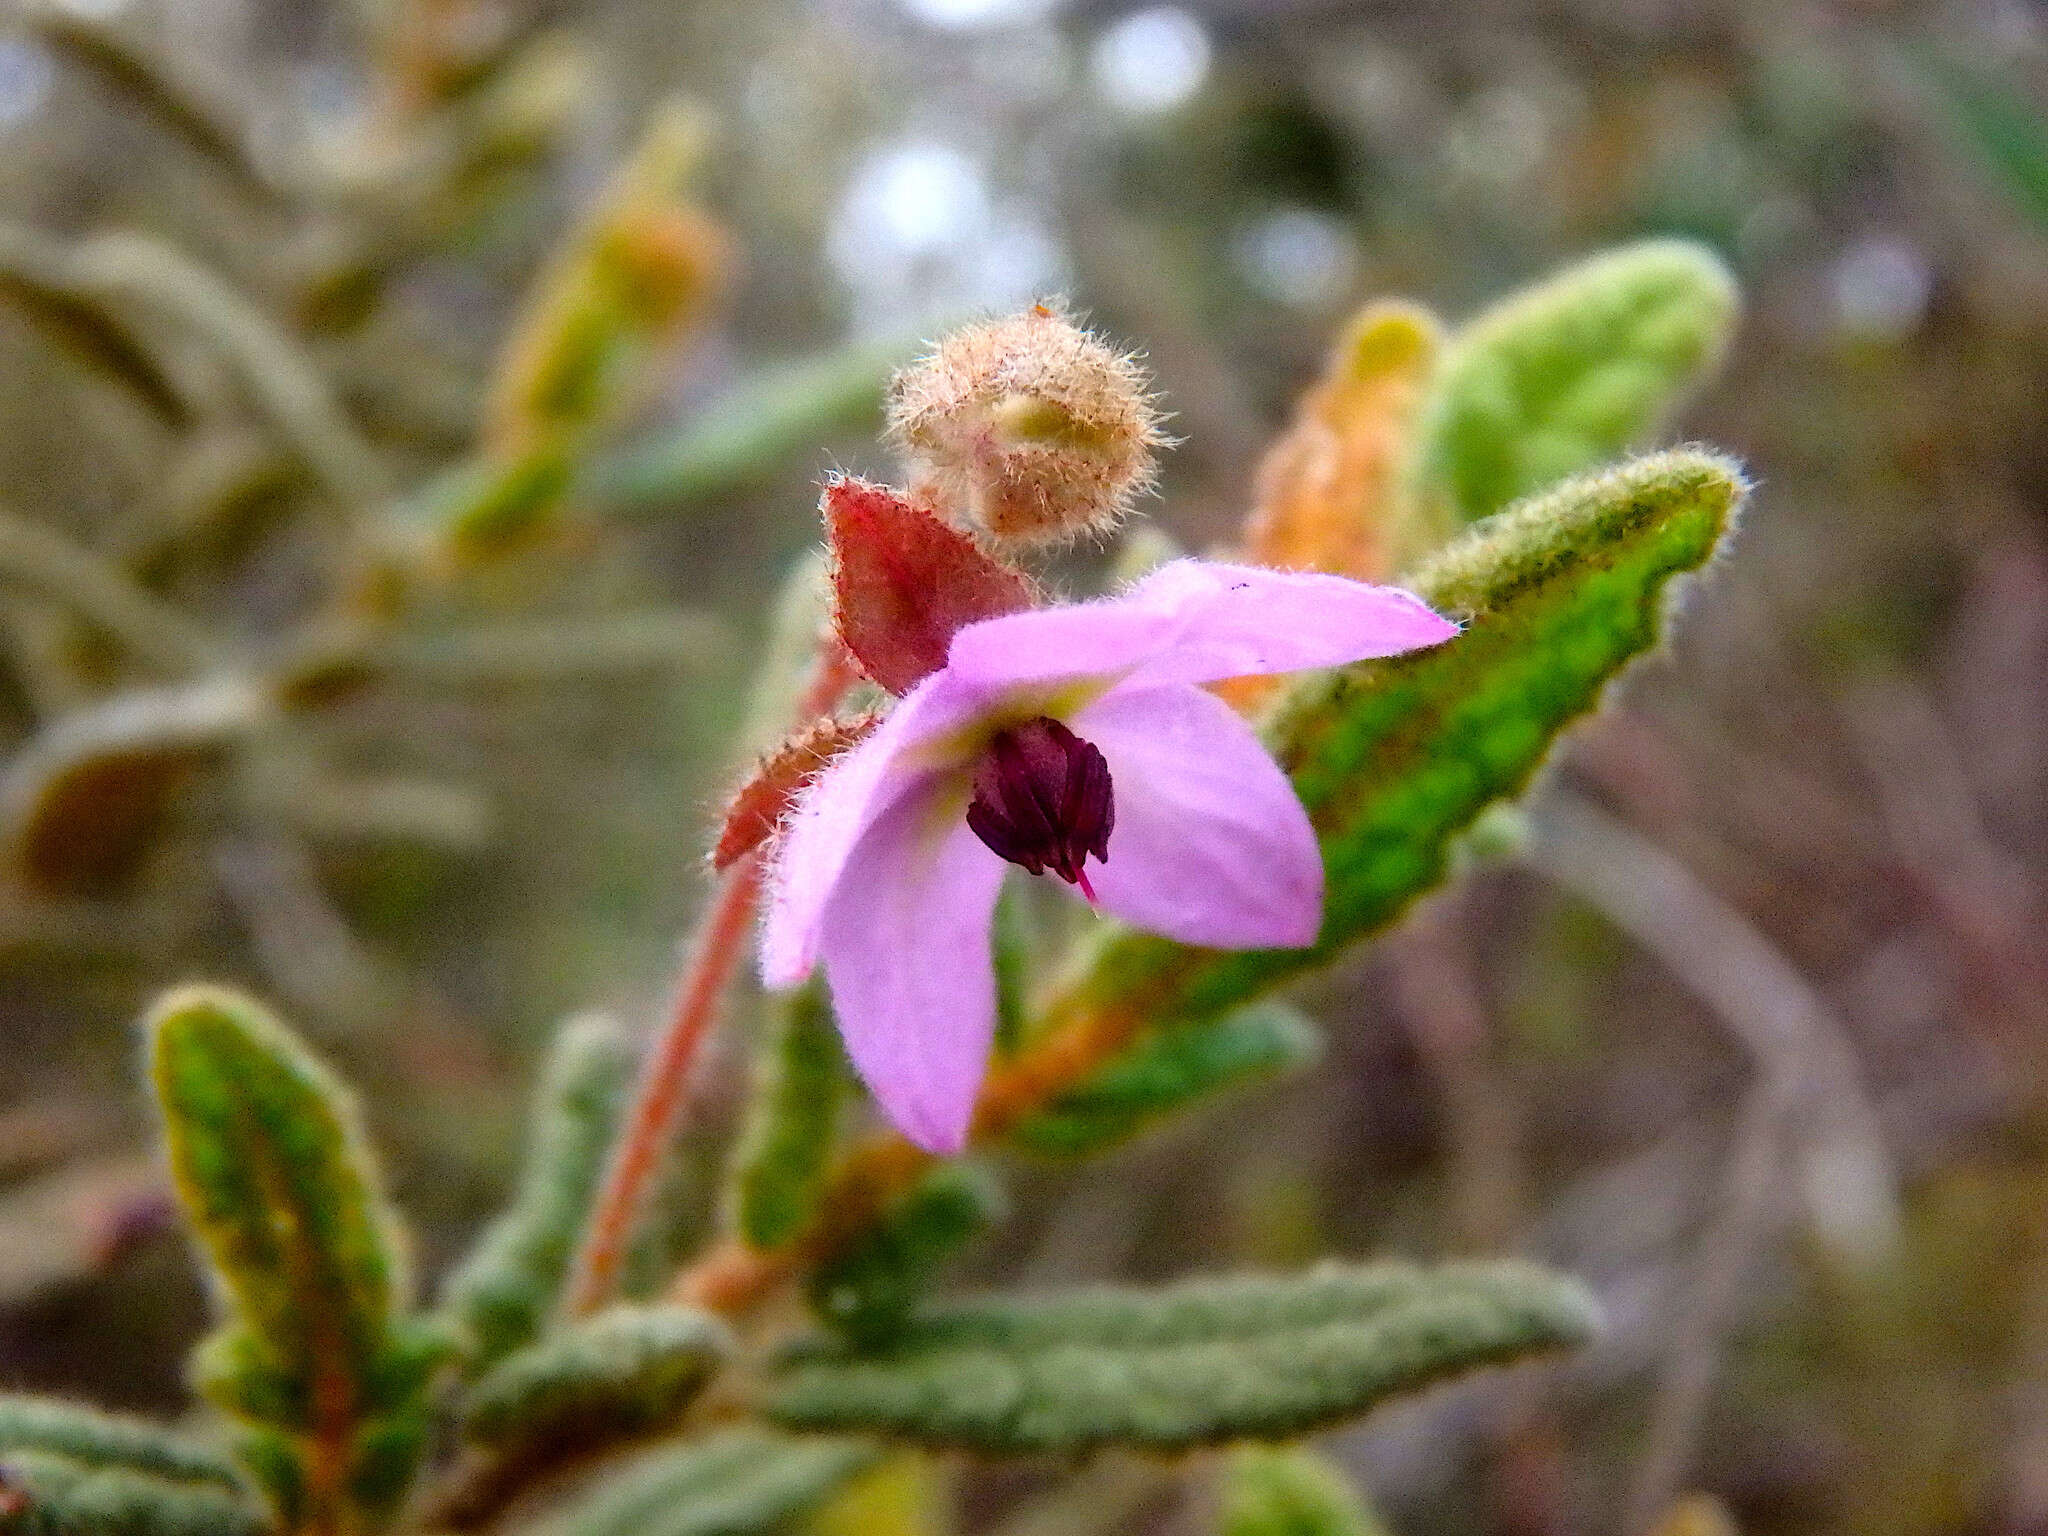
{"type": "Point", "coordinates": [660, 1095]}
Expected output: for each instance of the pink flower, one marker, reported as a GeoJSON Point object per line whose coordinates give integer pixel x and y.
{"type": "Point", "coordinates": [1052, 737]}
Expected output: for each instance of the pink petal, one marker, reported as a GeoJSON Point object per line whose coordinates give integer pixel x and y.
{"type": "Point", "coordinates": [1210, 844]}
{"type": "Point", "coordinates": [839, 806]}
{"type": "Point", "coordinates": [1194, 621]}
{"type": "Point", "coordinates": [906, 943]}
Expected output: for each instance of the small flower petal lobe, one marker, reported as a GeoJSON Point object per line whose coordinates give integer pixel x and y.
{"type": "Point", "coordinates": [1211, 845]}
{"type": "Point", "coordinates": [1197, 621]}
{"type": "Point", "coordinates": [836, 809]}
{"type": "Point", "coordinates": [906, 945]}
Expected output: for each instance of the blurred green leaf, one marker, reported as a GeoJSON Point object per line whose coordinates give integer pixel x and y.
{"type": "Point", "coordinates": [52, 1495]}
{"type": "Point", "coordinates": [1562, 376]}
{"type": "Point", "coordinates": [2000, 125]}
{"type": "Point", "coordinates": [734, 1483]}
{"type": "Point", "coordinates": [801, 1081]}
{"type": "Point", "coordinates": [95, 1439]}
{"type": "Point", "coordinates": [503, 1294]}
{"type": "Point", "coordinates": [1192, 1364]}
{"type": "Point", "coordinates": [869, 1289]}
{"type": "Point", "coordinates": [626, 1371]}
{"type": "Point", "coordinates": [779, 414]}
{"type": "Point", "coordinates": [1289, 1490]}
{"type": "Point", "coordinates": [1167, 1072]}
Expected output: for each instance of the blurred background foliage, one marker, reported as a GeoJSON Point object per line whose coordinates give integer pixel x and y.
{"type": "Point", "coordinates": [373, 634]}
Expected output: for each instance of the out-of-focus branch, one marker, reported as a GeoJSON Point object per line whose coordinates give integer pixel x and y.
{"type": "Point", "coordinates": [1982, 895]}
{"type": "Point", "coordinates": [1807, 1106]}
{"type": "Point", "coordinates": [1791, 1033]}
{"type": "Point", "coordinates": [158, 634]}
{"type": "Point", "coordinates": [1749, 1208]}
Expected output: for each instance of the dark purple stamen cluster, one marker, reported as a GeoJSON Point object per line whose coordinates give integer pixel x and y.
{"type": "Point", "coordinates": [1042, 799]}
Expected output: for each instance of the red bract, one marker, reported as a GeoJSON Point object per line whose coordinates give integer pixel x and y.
{"type": "Point", "coordinates": [904, 582]}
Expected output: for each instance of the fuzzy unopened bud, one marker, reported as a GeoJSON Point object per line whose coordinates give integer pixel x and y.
{"type": "Point", "coordinates": [1030, 427]}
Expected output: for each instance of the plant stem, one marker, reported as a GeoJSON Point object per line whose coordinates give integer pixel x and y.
{"type": "Point", "coordinates": [659, 1096]}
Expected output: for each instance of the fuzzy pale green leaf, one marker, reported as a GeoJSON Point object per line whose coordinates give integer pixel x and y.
{"type": "Point", "coordinates": [113, 1441]}
{"type": "Point", "coordinates": [1394, 759]}
{"type": "Point", "coordinates": [626, 1371]}
{"type": "Point", "coordinates": [53, 1495]}
{"type": "Point", "coordinates": [738, 1482]}
{"type": "Point", "coordinates": [1193, 1364]}
{"type": "Point", "coordinates": [1563, 376]}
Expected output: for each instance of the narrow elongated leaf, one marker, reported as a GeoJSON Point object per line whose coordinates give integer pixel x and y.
{"type": "Point", "coordinates": [1167, 1072]}
{"type": "Point", "coordinates": [794, 1119]}
{"type": "Point", "coordinates": [42, 1494]}
{"type": "Point", "coordinates": [626, 1371]}
{"type": "Point", "coordinates": [505, 1290]}
{"type": "Point", "coordinates": [1196, 1363]}
{"type": "Point", "coordinates": [1992, 118]}
{"type": "Point", "coordinates": [769, 419]}
{"type": "Point", "coordinates": [1394, 758]}
{"type": "Point", "coordinates": [1288, 1490]}
{"type": "Point", "coordinates": [95, 1439]}
{"type": "Point", "coordinates": [1567, 374]}
{"type": "Point", "coordinates": [280, 1189]}
{"type": "Point", "coordinates": [735, 1483]}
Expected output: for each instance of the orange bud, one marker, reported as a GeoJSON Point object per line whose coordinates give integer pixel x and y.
{"type": "Point", "coordinates": [904, 582]}
{"type": "Point", "coordinates": [758, 806]}
{"type": "Point", "coordinates": [1030, 427]}
{"type": "Point", "coordinates": [1328, 488]}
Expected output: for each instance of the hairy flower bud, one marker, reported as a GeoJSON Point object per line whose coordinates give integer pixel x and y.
{"type": "Point", "coordinates": [1029, 427]}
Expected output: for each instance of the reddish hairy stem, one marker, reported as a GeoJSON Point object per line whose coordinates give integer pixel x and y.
{"type": "Point", "coordinates": [663, 1088]}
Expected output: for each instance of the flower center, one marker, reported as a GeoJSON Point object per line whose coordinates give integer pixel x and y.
{"type": "Point", "coordinates": [1042, 800]}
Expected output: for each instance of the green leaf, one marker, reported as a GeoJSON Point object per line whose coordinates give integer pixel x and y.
{"type": "Point", "coordinates": [782, 412]}
{"type": "Point", "coordinates": [793, 1123]}
{"type": "Point", "coordinates": [1289, 1490]}
{"type": "Point", "coordinates": [1167, 1072]}
{"type": "Point", "coordinates": [1392, 759]}
{"type": "Point", "coordinates": [95, 1439]}
{"type": "Point", "coordinates": [1996, 121]}
{"type": "Point", "coordinates": [280, 1189]}
{"type": "Point", "coordinates": [734, 1483]}
{"type": "Point", "coordinates": [1565, 375]}
{"type": "Point", "coordinates": [869, 1289]}
{"type": "Point", "coordinates": [505, 1291]}
{"type": "Point", "coordinates": [1196, 1363]}
{"type": "Point", "coordinates": [53, 1495]}
{"type": "Point", "coordinates": [627, 1371]}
